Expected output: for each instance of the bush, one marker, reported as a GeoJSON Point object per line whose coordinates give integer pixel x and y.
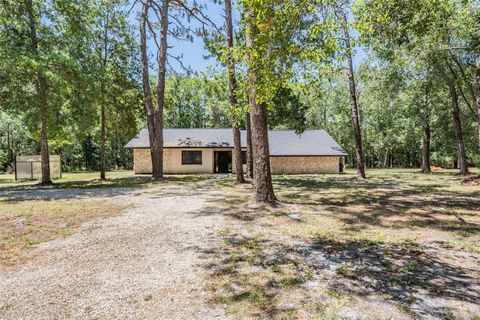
{"type": "Point", "coordinates": [3, 160]}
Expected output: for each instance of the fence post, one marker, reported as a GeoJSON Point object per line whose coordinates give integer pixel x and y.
{"type": "Point", "coordinates": [31, 170]}
{"type": "Point", "coordinates": [15, 168]}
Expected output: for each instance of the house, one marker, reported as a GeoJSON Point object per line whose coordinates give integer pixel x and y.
{"type": "Point", "coordinates": [210, 151]}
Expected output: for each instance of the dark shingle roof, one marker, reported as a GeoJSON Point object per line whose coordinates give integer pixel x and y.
{"type": "Point", "coordinates": [282, 143]}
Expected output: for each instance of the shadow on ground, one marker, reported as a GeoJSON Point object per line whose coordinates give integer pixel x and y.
{"type": "Point", "coordinates": [258, 266]}
{"type": "Point", "coordinates": [74, 189]}
{"type": "Point", "coordinates": [406, 275]}
{"type": "Point", "coordinates": [361, 205]}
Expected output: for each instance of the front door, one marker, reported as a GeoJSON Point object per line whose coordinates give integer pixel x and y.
{"type": "Point", "coordinates": [223, 161]}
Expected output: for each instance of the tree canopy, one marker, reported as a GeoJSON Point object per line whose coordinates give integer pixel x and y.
{"type": "Point", "coordinates": [71, 76]}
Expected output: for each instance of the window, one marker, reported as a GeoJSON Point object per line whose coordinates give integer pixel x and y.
{"type": "Point", "coordinates": [244, 157]}
{"type": "Point", "coordinates": [191, 157]}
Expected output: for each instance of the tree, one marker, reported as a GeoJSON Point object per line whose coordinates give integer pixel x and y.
{"type": "Point", "coordinates": [154, 115]}
{"type": "Point", "coordinates": [263, 187]}
{"type": "Point", "coordinates": [343, 22]}
{"type": "Point", "coordinates": [426, 133]}
{"type": "Point", "coordinates": [112, 47]}
{"type": "Point", "coordinates": [41, 89]}
{"type": "Point", "coordinates": [232, 84]}
{"type": "Point", "coordinates": [37, 39]}
{"type": "Point", "coordinates": [169, 14]}
{"type": "Point", "coordinates": [419, 29]}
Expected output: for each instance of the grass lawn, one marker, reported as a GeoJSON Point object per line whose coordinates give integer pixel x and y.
{"type": "Point", "coordinates": [400, 244]}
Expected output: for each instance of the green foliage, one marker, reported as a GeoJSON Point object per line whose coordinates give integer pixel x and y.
{"type": "Point", "coordinates": [197, 101]}
{"type": "Point", "coordinates": [88, 53]}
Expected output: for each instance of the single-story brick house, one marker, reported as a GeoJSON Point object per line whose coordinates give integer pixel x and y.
{"type": "Point", "coordinates": [210, 151]}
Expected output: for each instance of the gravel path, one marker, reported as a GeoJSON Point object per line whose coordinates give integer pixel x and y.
{"type": "Point", "coordinates": [144, 264]}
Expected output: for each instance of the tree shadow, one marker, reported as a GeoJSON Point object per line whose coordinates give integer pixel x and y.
{"type": "Point", "coordinates": [363, 205]}
{"type": "Point", "coordinates": [406, 275]}
{"type": "Point", "coordinates": [93, 188]}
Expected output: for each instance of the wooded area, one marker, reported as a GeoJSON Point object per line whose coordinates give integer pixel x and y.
{"type": "Point", "coordinates": [396, 83]}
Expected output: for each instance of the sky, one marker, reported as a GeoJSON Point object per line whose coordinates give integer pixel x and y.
{"type": "Point", "coordinates": [194, 55]}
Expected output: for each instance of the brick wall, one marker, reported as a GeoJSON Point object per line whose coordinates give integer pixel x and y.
{"type": "Point", "coordinates": [304, 165]}
{"type": "Point", "coordinates": [142, 161]}
{"type": "Point", "coordinates": [279, 165]}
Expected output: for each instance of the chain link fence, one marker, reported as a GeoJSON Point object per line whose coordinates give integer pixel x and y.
{"type": "Point", "coordinates": [30, 167]}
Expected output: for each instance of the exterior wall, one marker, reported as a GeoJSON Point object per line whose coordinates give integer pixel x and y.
{"type": "Point", "coordinates": [142, 163]}
{"type": "Point", "coordinates": [304, 165]}
{"type": "Point", "coordinates": [172, 161]}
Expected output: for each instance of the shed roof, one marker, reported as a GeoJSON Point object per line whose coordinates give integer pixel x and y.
{"type": "Point", "coordinates": [282, 143]}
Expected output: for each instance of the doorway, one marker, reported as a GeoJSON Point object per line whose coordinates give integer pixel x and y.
{"type": "Point", "coordinates": [222, 161]}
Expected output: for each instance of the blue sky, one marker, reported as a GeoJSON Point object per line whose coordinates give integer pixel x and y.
{"type": "Point", "coordinates": [194, 54]}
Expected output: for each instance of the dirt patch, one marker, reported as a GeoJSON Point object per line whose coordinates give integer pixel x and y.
{"type": "Point", "coordinates": [24, 224]}
{"type": "Point", "coordinates": [471, 181]}
{"type": "Point", "coordinates": [437, 169]}
{"type": "Point", "coordinates": [141, 264]}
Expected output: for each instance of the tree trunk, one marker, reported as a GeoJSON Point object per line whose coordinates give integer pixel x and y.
{"type": "Point", "coordinates": [103, 113]}
{"type": "Point", "coordinates": [41, 88]}
{"type": "Point", "coordinates": [162, 73]}
{"type": "Point", "coordinates": [477, 98]}
{"type": "Point", "coordinates": [147, 92]}
{"type": "Point", "coordinates": [353, 95]}
{"type": "Point", "coordinates": [263, 188]}
{"type": "Point", "coordinates": [426, 145]}
{"type": "Point", "coordinates": [10, 157]}
{"type": "Point", "coordinates": [426, 138]}
{"type": "Point", "coordinates": [232, 85]}
{"type": "Point", "coordinates": [385, 159]}
{"type": "Point", "coordinates": [103, 141]}
{"type": "Point", "coordinates": [249, 148]}
{"type": "Point", "coordinates": [43, 132]}
{"type": "Point", "coordinates": [462, 162]}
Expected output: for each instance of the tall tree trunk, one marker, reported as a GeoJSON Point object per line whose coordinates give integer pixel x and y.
{"type": "Point", "coordinates": [249, 148]}
{"type": "Point", "coordinates": [385, 159]}
{"type": "Point", "coordinates": [41, 88]}
{"type": "Point", "coordinates": [147, 92]}
{"type": "Point", "coordinates": [162, 73]}
{"type": "Point", "coordinates": [477, 98]}
{"type": "Point", "coordinates": [353, 94]}
{"type": "Point", "coordinates": [103, 114]}
{"type": "Point", "coordinates": [462, 161]}
{"type": "Point", "coordinates": [103, 140]}
{"type": "Point", "coordinates": [232, 84]}
{"type": "Point", "coordinates": [426, 137]}
{"type": "Point", "coordinates": [263, 188]}
{"type": "Point", "coordinates": [426, 143]}
{"type": "Point", "coordinates": [9, 146]}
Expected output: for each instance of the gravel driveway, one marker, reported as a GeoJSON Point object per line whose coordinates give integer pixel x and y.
{"type": "Point", "coordinates": [144, 264]}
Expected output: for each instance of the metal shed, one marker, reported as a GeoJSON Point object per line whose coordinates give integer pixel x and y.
{"type": "Point", "coordinates": [30, 167]}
